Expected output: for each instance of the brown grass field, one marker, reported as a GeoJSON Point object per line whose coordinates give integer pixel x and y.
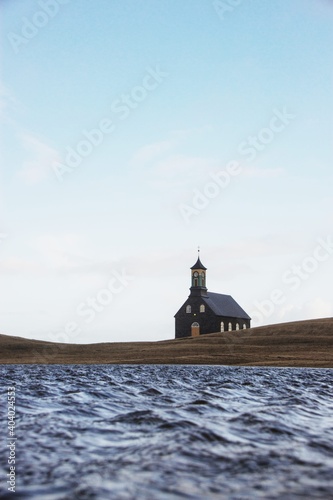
{"type": "Point", "coordinates": [301, 343]}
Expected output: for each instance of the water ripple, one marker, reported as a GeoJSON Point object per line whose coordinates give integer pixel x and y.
{"type": "Point", "coordinates": [169, 432]}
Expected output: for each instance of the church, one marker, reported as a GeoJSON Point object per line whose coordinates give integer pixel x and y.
{"type": "Point", "coordinates": [208, 312]}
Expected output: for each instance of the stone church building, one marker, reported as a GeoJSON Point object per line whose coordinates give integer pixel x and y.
{"type": "Point", "coordinates": [208, 312]}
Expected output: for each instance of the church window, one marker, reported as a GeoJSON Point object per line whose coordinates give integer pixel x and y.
{"type": "Point", "coordinates": [222, 326]}
{"type": "Point", "coordinates": [202, 308]}
{"type": "Point", "coordinates": [188, 309]}
{"type": "Point", "coordinates": [229, 327]}
{"type": "Point", "coordinates": [244, 326]}
{"type": "Point", "coordinates": [237, 326]}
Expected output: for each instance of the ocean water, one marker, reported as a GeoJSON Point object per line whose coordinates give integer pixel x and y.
{"type": "Point", "coordinates": [168, 432]}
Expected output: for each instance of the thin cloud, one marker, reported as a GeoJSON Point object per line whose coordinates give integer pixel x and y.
{"type": "Point", "coordinates": [152, 151]}
{"type": "Point", "coordinates": [311, 309]}
{"type": "Point", "coordinates": [182, 134]}
{"type": "Point", "coordinates": [60, 251]}
{"type": "Point", "coordinates": [180, 170]}
{"type": "Point", "coordinates": [262, 173]}
{"type": "Point", "coordinates": [17, 265]}
{"type": "Point", "coordinates": [261, 246]}
{"type": "Point", "coordinates": [319, 308]}
{"type": "Point", "coordinates": [41, 156]}
{"type": "Point", "coordinates": [38, 155]}
{"type": "Point", "coordinates": [185, 165]}
{"type": "Point", "coordinates": [7, 100]}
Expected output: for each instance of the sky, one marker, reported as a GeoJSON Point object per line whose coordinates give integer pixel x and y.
{"type": "Point", "coordinates": [134, 132]}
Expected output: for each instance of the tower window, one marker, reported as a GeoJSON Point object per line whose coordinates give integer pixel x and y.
{"type": "Point", "coordinates": [222, 326]}
{"type": "Point", "coordinates": [188, 309]}
{"type": "Point", "coordinates": [202, 308]}
{"type": "Point", "coordinates": [229, 327]}
{"type": "Point", "coordinates": [237, 326]}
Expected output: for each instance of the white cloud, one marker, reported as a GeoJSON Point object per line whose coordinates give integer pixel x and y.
{"type": "Point", "coordinates": [156, 150]}
{"type": "Point", "coordinates": [49, 252]}
{"type": "Point", "coordinates": [41, 157]}
{"type": "Point", "coordinates": [60, 251]}
{"type": "Point", "coordinates": [151, 152]}
{"type": "Point", "coordinates": [311, 309]}
{"type": "Point", "coordinates": [268, 245]}
{"type": "Point", "coordinates": [180, 171]}
{"type": "Point", "coordinates": [318, 308]}
{"type": "Point", "coordinates": [165, 168]}
{"type": "Point", "coordinates": [262, 173]}
{"type": "Point", "coordinates": [182, 134]}
{"type": "Point", "coordinates": [7, 99]}
{"type": "Point", "coordinates": [17, 265]}
{"type": "Point", "coordinates": [181, 165]}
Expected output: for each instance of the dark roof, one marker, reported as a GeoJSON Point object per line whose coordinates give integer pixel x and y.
{"type": "Point", "coordinates": [224, 305]}
{"type": "Point", "coordinates": [199, 265]}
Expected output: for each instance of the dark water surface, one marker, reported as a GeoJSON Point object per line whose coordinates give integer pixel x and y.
{"type": "Point", "coordinates": [169, 432]}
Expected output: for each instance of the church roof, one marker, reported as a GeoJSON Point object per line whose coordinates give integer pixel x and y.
{"type": "Point", "coordinates": [199, 265]}
{"type": "Point", "coordinates": [224, 305]}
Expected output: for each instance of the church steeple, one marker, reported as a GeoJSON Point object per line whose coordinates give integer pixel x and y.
{"type": "Point", "coordinates": [198, 278]}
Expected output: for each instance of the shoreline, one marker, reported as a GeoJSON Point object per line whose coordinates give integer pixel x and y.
{"type": "Point", "coordinates": [302, 344]}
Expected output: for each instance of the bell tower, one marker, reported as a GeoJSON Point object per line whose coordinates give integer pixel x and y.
{"type": "Point", "coordinates": [198, 279]}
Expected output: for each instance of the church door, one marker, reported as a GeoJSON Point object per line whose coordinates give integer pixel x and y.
{"type": "Point", "coordinates": [195, 329]}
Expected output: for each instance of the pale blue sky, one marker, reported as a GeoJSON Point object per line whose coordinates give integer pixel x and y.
{"type": "Point", "coordinates": [185, 86]}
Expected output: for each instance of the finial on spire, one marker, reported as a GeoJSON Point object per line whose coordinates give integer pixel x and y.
{"type": "Point", "coordinates": [198, 264]}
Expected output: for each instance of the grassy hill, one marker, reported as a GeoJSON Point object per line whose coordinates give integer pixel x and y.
{"type": "Point", "coordinates": [301, 343]}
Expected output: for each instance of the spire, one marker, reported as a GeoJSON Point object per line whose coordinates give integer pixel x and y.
{"type": "Point", "coordinates": [199, 264]}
